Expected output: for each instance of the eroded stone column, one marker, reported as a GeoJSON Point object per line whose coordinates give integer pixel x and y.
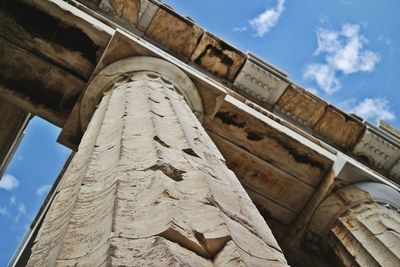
{"type": "Point", "coordinates": [367, 235]}
{"type": "Point", "coordinates": [148, 187]}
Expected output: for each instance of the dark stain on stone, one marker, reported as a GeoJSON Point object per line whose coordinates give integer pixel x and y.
{"type": "Point", "coordinates": [300, 157]}
{"type": "Point", "coordinates": [70, 102]}
{"type": "Point", "coordinates": [36, 90]}
{"type": "Point", "coordinates": [253, 136]}
{"type": "Point", "coordinates": [230, 119]}
{"type": "Point", "coordinates": [213, 51]}
{"type": "Point", "coordinates": [170, 171]}
{"type": "Point", "coordinates": [161, 142]}
{"type": "Point", "coordinates": [190, 152]}
{"type": "Point", "coordinates": [41, 25]}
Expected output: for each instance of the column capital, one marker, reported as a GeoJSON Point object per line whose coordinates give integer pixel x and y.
{"type": "Point", "coordinates": [117, 71]}
{"type": "Point", "coordinates": [123, 69]}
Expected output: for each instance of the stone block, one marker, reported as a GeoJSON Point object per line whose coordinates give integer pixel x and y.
{"type": "Point", "coordinates": [127, 10]}
{"type": "Point", "coordinates": [389, 129]}
{"type": "Point", "coordinates": [395, 171]}
{"type": "Point", "coordinates": [218, 57]}
{"type": "Point", "coordinates": [261, 81]}
{"type": "Point", "coordinates": [147, 11]}
{"type": "Point", "coordinates": [380, 153]}
{"type": "Point", "coordinates": [339, 128]}
{"type": "Point", "coordinates": [301, 106]}
{"type": "Point", "coordinates": [176, 34]}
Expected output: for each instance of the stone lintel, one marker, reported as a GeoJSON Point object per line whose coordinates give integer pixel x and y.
{"type": "Point", "coordinates": [380, 152]}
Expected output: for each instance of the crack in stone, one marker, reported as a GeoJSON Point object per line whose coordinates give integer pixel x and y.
{"type": "Point", "coordinates": [190, 152]}
{"type": "Point", "coordinates": [161, 142]}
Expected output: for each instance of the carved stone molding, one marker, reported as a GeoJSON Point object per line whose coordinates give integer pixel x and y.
{"type": "Point", "coordinates": [260, 81]}
{"type": "Point", "coordinates": [332, 207]}
{"type": "Point", "coordinates": [381, 193]}
{"type": "Point", "coordinates": [357, 226]}
{"type": "Point", "coordinates": [367, 235]}
{"type": "Point", "coordinates": [380, 153]}
{"type": "Point", "coordinates": [395, 171]}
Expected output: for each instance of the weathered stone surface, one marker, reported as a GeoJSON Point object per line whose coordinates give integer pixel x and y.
{"type": "Point", "coordinates": [147, 11]}
{"type": "Point", "coordinates": [173, 32]}
{"type": "Point", "coordinates": [380, 153]}
{"type": "Point", "coordinates": [389, 128]}
{"type": "Point", "coordinates": [218, 57]}
{"type": "Point", "coordinates": [333, 206]}
{"type": "Point", "coordinates": [367, 235]}
{"type": "Point", "coordinates": [35, 85]}
{"type": "Point", "coordinates": [270, 209]}
{"type": "Point", "coordinates": [301, 106]}
{"type": "Point", "coordinates": [264, 178]}
{"type": "Point", "coordinates": [259, 81]}
{"type": "Point", "coordinates": [269, 144]}
{"type": "Point", "coordinates": [148, 186]}
{"type": "Point", "coordinates": [128, 10]}
{"type": "Point", "coordinates": [339, 128]}
{"type": "Point", "coordinates": [395, 171]}
{"type": "Point", "coordinates": [63, 38]}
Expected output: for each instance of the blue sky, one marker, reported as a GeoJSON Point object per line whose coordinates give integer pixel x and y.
{"type": "Point", "coordinates": [346, 51]}
{"type": "Point", "coordinates": [26, 182]}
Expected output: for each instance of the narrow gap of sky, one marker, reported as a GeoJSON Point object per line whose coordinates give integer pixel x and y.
{"type": "Point", "coordinates": [26, 182]}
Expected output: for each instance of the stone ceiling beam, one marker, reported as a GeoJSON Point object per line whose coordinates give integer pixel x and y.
{"type": "Point", "coordinates": [36, 85]}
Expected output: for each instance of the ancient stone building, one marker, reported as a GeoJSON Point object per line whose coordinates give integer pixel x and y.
{"type": "Point", "coordinates": [187, 150]}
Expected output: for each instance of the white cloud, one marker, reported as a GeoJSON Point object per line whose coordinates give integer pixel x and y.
{"type": "Point", "coordinates": [3, 211]}
{"type": "Point", "coordinates": [324, 76]}
{"type": "Point", "coordinates": [8, 182]}
{"type": "Point", "coordinates": [43, 190]}
{"type": "Point", "coordinates": [21, 212]}
{"type": "Point", "coordinates": [240, 29]}
{"type": "Point", "coordinates": [22, 209]}
{"type": "Point", "coordinates": [343, 52]}
{"type": "Point", "coordinates": [13, 200]}
{"type": "Point", "coordinates": [374, 109]}
{"type": "Point", "coordinates": [268, 19]}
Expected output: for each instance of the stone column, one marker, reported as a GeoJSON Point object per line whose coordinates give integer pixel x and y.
{"type": "Point", "coordinates": [367, 235]}
{"type": "Point", "coordinates": [148, 187]}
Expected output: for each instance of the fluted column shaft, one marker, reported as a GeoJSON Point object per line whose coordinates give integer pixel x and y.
{"type": "Point", "coordinates": [368, 235]}
{"type": "Point", "coordinates": [148, 187]}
